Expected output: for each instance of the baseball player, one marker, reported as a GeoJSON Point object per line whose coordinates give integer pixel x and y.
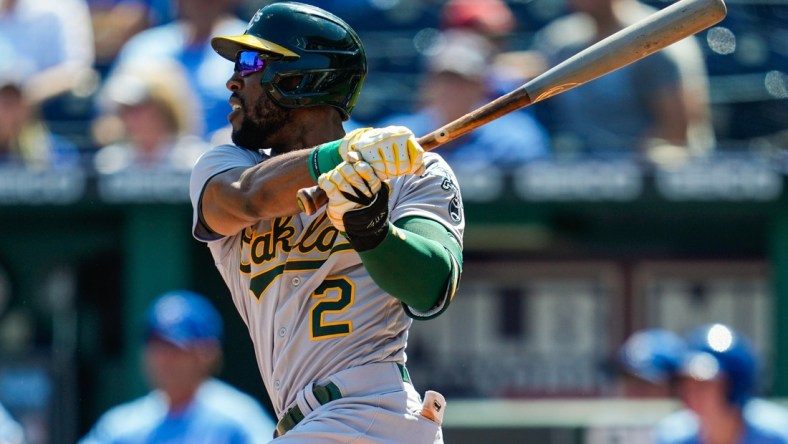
{"type": "Point", "coordinates": [717, 385]}
{"type": "Point", "coordinates": [647, 364]}
{"type": "Point", "coordinates": [188, 406]}
{"type": "Point", "coordinates": [328, 298]}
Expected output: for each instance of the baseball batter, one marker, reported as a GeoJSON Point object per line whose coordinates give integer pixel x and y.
{"type": "Point", "coordinates": [327, 298]}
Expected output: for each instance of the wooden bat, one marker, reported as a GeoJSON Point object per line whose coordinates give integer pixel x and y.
{"type": "Point", "coordinates": [649, 35]}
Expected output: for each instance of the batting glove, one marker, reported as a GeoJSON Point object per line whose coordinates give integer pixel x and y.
{"type": "Point", "coordinates": [357, 203]}
{"type": "Point", "coordinates": [391, 151]}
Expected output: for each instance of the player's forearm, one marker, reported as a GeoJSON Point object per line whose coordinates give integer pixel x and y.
{"type": "Point", "coordinates": [270, 187]}
{"type": "Point", "coordinates": [238, 198]}
{"type": "Point", "coordinates": [413, 263]}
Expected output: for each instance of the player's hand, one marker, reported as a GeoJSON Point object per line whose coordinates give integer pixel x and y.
{"type": "Point", "coordinates": [391, 151]}
{"type": "Point", "coordinates": [357, 203]}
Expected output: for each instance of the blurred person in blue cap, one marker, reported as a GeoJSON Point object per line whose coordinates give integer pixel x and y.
{"type": "Point", "coordinates": [183, 334]}
{"type": "Point", "coordinates": [647, 365]}
{"type": "Point", "coordinates": [717, 385]}
{"type": "Point", "coordinates": [649, 361]}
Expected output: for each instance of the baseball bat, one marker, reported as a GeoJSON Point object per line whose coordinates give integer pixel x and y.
{"type": "Point", "coordinates": [645, 37]}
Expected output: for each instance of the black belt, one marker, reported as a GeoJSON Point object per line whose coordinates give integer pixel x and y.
{"type": "Point", "coordinates": [324, 394]}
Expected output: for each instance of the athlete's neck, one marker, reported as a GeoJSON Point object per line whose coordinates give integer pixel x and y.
{"type": "Point", "coordinates": [309, 127]}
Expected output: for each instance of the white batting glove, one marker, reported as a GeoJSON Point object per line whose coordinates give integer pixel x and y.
{"type": "Point", "coordinates": [349, 186]}
{"type": "Point", "coordinates": [391, 151]}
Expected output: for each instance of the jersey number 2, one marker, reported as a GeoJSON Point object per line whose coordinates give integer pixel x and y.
{"type": "Point", "coordinates": [335, 296]}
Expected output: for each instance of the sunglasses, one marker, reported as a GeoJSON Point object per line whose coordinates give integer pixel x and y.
{"type": "Point", "coordinates": [248, 63]}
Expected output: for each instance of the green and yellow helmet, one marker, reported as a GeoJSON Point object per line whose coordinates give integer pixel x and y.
{"type": "Point", "coordinates": [304, 42]}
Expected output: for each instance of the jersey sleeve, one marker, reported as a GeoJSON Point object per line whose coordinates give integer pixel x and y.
{"type": "Point", "coordinates": [434, 195]}
{"type": "Point", "coordinates": [213, 162]}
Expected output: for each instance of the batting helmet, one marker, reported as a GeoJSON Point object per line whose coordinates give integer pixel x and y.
{"type": "Point", "coordinates": [308, 43]}
{"type": "Point", "coordinates": [716, 350]}
{"type": "Point", "coordinates": [183, 318]}
{"type": "Point", "coordinates": [653, 355]}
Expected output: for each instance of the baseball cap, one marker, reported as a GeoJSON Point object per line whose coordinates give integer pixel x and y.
{"type": "Point", "coordinates": [464, 53]}
{"type": "Point", "coordinates": [491, 17]}
{"type": "Point", "coordinates": [653, 354]}
{"type": "Point", "coordinates": [717, 351]}
{"type": "Point", "coordinates": [183, 318]}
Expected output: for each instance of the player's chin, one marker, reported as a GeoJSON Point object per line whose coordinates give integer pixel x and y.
{"type": "Point", "coordinates": [246, 135]}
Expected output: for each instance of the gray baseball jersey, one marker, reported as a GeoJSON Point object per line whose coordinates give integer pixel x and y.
{"type": "Point", "coordinates": [310, 306]}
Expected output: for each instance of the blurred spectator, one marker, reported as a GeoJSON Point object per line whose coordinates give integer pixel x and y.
{"type": "Point", "coordinates": [186, 40]}
{"type": "Point", "coordinates": [495, 21]}
{"type": "Point", "coordinates": [11, 432]}
{"type": "Point", "coordinates": [647, 365]}
{"type": "Point", "coordinates": [25, 140]}
{"type": "Point", "coordinates": [182, 351]}
{"type": "Point", "coordinates": [490, 18]}
{"type": "Point", "coordinates": [116, 21]}
{"type": "Point", "coordinates": [50, 43]}
{"type": "Point", "coordinates": [454, 84]}
{"type": "Point", "coordinates": [152, 119]}
{"type": "Point", "coordinates": [649, 361]}
{"type": "Point", "coordinates": [655, 109]}
{"type": "Point", "coordinates": [718, 379]}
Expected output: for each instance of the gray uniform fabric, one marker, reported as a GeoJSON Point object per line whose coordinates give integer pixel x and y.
{"type": "Point", "coordinates": [314, 313]}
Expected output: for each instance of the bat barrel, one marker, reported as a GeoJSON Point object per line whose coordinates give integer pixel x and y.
{"type": "Point", "coordinates": [649, 35]}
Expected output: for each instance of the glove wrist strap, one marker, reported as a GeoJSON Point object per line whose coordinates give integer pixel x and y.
{"type": "Point", "coordinates": [366, 227]}
{"type": "Point", "coordinates": [324, 158]}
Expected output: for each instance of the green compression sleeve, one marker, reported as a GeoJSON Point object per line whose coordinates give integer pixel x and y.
{"type": "Point", "coordinates": [414, 263]}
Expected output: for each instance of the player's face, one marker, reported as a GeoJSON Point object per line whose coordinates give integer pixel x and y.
{"type": "Point", "coordinates": [256, 120]}
{"type": "Point", "coordinates": [172, 369]}
{"type": "Point", "coordinates": [703, 397]}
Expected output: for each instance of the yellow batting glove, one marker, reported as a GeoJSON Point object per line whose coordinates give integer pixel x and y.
{"type": "Point", "coordinates": [392, 151]}
{"type": "Point", "coordinates": [349, 186]}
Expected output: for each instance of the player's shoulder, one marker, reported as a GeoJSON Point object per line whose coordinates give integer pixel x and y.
{"type": "Point", "coordinates": [230, 156]}
{"type": "Point", "coordinates": [435, 166]}
{"type": "Point", "coordinates": [677, 428]}
{"type": "Point", "coordinates": [130, 418]}
{"type": "Point", "coordinates": [767, 417]}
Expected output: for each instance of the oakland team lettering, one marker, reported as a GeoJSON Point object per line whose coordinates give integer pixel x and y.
{"type": "Point", "coordinates": [316, 244]}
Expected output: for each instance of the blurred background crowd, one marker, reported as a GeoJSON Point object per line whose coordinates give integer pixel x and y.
{"type": "Point", "coordinates": [129, 91]}
{"type": "Point", "coordinates": [131, 83]}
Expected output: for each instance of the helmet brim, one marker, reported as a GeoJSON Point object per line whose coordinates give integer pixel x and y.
{"type": "Point", "coordinates": [229, 46]}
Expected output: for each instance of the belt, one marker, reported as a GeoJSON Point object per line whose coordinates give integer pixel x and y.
{"type": "Point", "coordinates": [324, 394]}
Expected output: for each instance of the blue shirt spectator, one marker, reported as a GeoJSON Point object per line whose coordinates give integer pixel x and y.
{"type": "Point", "coordinates": [717, 383]}
{"type": "Point", "coordinates": [182, 348]}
